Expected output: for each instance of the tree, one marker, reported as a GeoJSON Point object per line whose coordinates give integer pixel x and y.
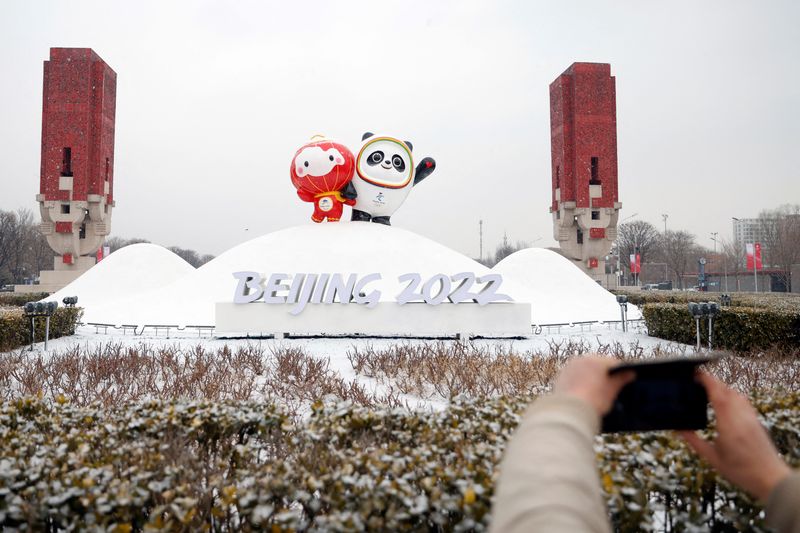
{"type": "Point", "coordinates": [8, 223]}
{"type": "Point", "coordinates": [24, 251]}
{"type": "Point", "coordinates": [781, 239]}
{"type": "Point", "coordinates": [115, 243]}
{"type": "Point", "coordinates": [678, 248]}
{"type": "Point", "coordinates": [639, 237]}
{"type": "Point", "coordinates": [505, 249]}
{"type": "Point", "coordinates": [190, 256]}
{"type": "Point", "coordinates": [732, 263]}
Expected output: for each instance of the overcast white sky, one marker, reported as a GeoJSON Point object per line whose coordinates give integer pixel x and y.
{"type": "Point", "coordinates": [214, 98]}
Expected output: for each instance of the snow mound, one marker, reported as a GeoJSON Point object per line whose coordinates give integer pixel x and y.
{"type": "Point", "coordinates": [344, 248]}
{"type": "Point", "coordinates": [125, 273]}
{"type": "Point", "coordinates": [557, 289]}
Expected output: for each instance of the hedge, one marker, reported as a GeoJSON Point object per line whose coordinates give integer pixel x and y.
{"type": "Point", "coordinates": [735, 328]}
{"type": "Point", "coordinates": [773, 300]}
{"type": "Point", "coordinates": [195, 465]}
{"type": "Point", "coordinates": [15, 327]}
{"type": "Point", "coordinates": [15, 299]}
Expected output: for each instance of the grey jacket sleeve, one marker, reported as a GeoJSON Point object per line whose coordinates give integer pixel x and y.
{"type": "Point", "coordinates": [548, 476]}
{"type": "Point", "coordinates": [783, 506]}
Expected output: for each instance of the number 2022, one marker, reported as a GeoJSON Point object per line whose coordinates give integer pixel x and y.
{"type": "Point", "coordinates": [456, 288]}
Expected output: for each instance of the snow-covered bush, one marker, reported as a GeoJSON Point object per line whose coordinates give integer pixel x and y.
{"type": "Point", "coordinates": [15, 327]}
{"type": "Point", "coordinates": [246, 466]}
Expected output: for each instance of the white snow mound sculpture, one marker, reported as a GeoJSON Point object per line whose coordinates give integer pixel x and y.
{"type": "Point", "coordinates": [127, 272]}
{"type": "Point", "coordinates": [559, 292]}
{"type": "Point", "coordinates": [344, 248]}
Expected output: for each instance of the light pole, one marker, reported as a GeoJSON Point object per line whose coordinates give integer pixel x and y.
{"type": "Point", "coordinates": [724, 258]}
{"type": "Point", "coordinates": [480, 234]}
{"type": "Point", "coordinates": [665, 217]}
{"type": "Point", "coordinates": [738, 288]}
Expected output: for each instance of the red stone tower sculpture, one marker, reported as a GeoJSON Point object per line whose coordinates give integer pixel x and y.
{"type": "Point", "coordinates": [583, 128]}
{"type": "Point", "coordinates": [76, 192]}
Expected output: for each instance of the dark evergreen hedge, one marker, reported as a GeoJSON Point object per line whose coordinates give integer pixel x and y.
{"type": "Point", "coordinates": [15, 327]}
{"type": "Point", "coordinates": [771, 300]}
{"type": "Point", "coordinates": [15, 299]}
{"type": "Point", "coordinates": [735, 328]}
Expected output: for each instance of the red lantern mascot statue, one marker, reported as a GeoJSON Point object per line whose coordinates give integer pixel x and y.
{"type": "Point", "coordinates": [321, 170]}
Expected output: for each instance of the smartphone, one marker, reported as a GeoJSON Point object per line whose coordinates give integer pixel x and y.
{"type": "Point", "coordinates": [664, 395]}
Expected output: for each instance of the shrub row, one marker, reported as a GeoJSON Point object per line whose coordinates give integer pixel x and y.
{"type": "Point", "coordinates": [245, 466]}
{"type": "Point", "coordinates": [16, 299]}
{"type": "Point", "coordinates": [735, 328]}
{"type": "Point", "coordinates": [777, 301]}
{"type": "Point", "coordinates": [15, 327]}
{"type": "Point", "coordinates": [402, 375]}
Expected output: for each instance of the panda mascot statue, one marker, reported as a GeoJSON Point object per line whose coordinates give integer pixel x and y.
{"type": "Point", "coordinates": [384, 176]}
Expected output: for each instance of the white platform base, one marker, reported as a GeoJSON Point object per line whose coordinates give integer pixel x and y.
{"type": "Point", "coordinates": [387, 319]}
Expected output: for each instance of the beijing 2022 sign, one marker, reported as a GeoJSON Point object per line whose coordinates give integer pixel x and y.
{"type": "Point", "coordinates": [302, 289]}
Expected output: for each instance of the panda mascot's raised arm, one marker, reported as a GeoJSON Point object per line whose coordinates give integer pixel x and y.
{"type": "Point", "coordinates": [385, 174]}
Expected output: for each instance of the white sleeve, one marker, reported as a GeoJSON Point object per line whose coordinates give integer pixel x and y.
{"type": "Point", "coordinates": [548, 476]}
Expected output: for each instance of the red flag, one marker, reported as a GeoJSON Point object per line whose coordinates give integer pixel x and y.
{"type": "Point", "coordinates": [754, 255]}
{"type": "Point", "coordinates": [636, 264]}
{"type": "Point", "coordinates": [757, 247]}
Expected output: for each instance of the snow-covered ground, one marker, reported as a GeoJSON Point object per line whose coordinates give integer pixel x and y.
{"type": "Point", "coordinates": [336, 348]}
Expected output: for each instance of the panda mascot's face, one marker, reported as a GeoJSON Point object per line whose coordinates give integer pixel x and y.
{"type": "Point", "coordinates": [385, 162]}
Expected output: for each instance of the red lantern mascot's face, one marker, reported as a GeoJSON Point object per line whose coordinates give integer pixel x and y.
{"type": "Point", "coordinates": [320, 171]}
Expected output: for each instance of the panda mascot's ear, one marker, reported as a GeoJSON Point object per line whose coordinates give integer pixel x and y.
{"type": "Point", "coordinates": [367, 135]}
{"type": "Point", "coordinates": [410, 146]}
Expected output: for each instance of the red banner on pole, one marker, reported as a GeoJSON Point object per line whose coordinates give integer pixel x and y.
{"type": "Point", "coordinates": [754, 256]}
{"type": "Point", "coordinates": [636, 264]}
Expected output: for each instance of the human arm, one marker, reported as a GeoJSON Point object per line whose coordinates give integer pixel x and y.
{"type": "Point", "coordinates": [548, 477]}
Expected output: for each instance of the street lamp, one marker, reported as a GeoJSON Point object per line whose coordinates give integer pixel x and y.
{"type": "Point", "coordinates": [724, 259]}
{"type": "Point", "coordinates": [738, 288]}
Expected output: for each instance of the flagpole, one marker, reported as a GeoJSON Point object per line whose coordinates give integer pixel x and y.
{"type": "Point", "coordinates": [755, 266]}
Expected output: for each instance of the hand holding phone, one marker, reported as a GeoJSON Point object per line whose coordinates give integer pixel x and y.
{"type": "Point", "coordinates": [664, 395]}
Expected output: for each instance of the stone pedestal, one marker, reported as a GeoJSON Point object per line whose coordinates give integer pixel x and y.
{"type": "Point", "coordinates": [58, 278]}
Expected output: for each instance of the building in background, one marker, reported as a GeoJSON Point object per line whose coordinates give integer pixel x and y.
{"type": "Point", "coordinates": [747, 230]}
{"type": "Point", "coordinates": [76, 190]}
{"type": "Point", "coordinates": [585, 198]}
